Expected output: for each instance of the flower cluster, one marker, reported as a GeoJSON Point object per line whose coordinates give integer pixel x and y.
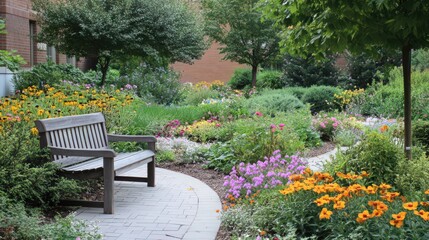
{"type": "Point", "coordinates": [275, 170]}
{"type": "Point", "coordinates": [32, 103]}
{"type": "Point", "coordinates": [326, 126]}
{"type": "Point", "coordinates": [347, 96]}
{"type": "Point", "coordinates": [170, 129]}
{"type": "Point", "coordinates": [337, 196]}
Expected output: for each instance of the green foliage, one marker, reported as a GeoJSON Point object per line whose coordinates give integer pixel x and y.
{"type": "Point", "coordinates": [197, 96]}
{"type": "Point", "coordinates": [421, 133]}
{"type": "Point", "coordinates": [346, 137]}
{"type": "Point", "coordinates": [157, 85]}
{"type": "Point", "coordinates": [270, 79]}
{"type": "Point", "coordinates": [241, 78]}
{"type": "Point", "coordinates": [23, 175]}
{"type": "Point", "coordinates": [26, 224]}
{"type": "Point", "coordinates": [321, 98]}
{"type": "Point", "coordinates": [48, 73]}
{"type": "Point", "coordinates": [270, 103]}
{"type": "Point", "coordinates": [376, 153]}
{"type": "Point", "coordinates": [365, 69]}
{"type": "Point", "coordinates": [387, 100]}
{"type": "Point", "coordinates": [306, 72]}
{"type": "Point", "coordinates": [112, 77]}
{"type": "Point", "coordinates": [165, 156]}
{"type": "Point", "coordinates": [9, 59]}
{"type": "Point", "coordinates": [237, 26]}
{"type": "Point", "coordinates": [412, 176]}
{"type": "Point", "coordinates": [149, 119]}
{"type": "Point", "coordinates": [420, 59]}
{"type": "Point", "coordinates": [108, 29]}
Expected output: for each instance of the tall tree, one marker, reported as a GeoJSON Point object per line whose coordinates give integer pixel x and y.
{"type": "Point", "coordinates": [321, 26]}
{"type": "Point", "coordinates": [108, 28]}
{"type": "Point", "coordinates": [237, 25]}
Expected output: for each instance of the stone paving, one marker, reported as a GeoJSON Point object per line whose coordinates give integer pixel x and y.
{"type": "Point", "coordinates": [316, 163]}
{"type": "Point", "coordinates": [178, 207]}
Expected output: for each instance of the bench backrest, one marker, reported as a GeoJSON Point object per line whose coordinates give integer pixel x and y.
{"type": "Point", "coordinates": [87, 131]}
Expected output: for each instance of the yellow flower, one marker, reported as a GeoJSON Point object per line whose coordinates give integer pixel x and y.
{"type": "Point", "coordinates": [400, 216]}
{"type": "Point", "coordinates": [339, 205]}
{"type": "Point", "coordinates": [396, 223]}
{"type": "Point", "coordinates": [363, 216]}
{"type": "Point", "coordinates": [410, 205]}
{"type": "Point", "coordinates": [423, 214]}
{"type": "Point", "coordinates": [34, 131]}
{"type": "Point", "coordinates": [325, 214]}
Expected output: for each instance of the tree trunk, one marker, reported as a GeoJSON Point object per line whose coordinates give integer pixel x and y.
{"type": "Point", "coordinates": [254, 72]}
{"type": "Point", "coordinates": [406, 65]}
{"type": "Point", "coordinates": [104, 67]}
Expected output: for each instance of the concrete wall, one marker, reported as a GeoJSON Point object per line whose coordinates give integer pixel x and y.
{"type": "Point", "coordinates": [6, 86]}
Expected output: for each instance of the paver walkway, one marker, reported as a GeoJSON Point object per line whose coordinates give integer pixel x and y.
{"type": "Point", "coordinates": [316, 163]}
{"type": "Point", "coordinates": [179, 207]}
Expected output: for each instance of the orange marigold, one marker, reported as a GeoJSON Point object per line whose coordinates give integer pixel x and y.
{"type": "Point", "coordinates": [325, 214]}
{"type": "Point", "coordinates": [410, 205]}
{"type": "Point", "coordinates": [396, 223]}
{"type": "Point", "coordinates": [339, 205]}
{"type": "Point", "coordinates": [423, 214]}
{"type": "Point", "coordinates": [400, 216]}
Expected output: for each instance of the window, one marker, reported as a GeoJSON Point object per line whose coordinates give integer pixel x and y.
{"type": "Point", "coordinates": [51, 54]}
{"type": "Point", "coordinates": [71, 60]}
{"type": "Point", "coordinates": [32, 42]}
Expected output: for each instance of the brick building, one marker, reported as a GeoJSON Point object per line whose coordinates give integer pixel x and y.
{"type": "Point", "coordinates": [21, 30]}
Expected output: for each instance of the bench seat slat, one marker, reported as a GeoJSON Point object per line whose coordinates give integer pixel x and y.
{"type": "Point", "coordinates": [121, 161]}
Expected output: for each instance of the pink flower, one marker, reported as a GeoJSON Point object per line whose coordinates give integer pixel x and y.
{"type": "Point", "coordinates": [335, 124]}
{"type": "Point", "coordinates": [259, 114]}
{"type": "Point", "coordinates": [281, 126]}
{"type": "Point", "coordinates": [217, 124]}
{"type": "Point", "coordinates": [322, 124]}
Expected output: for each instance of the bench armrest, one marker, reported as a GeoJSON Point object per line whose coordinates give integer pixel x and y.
{"type": "Point", "coordinates": [83, 152]}
{"type": "Point", "coordinates": [130, 138]}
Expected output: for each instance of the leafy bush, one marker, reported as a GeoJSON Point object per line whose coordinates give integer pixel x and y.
{"type": "Point", "coordinates": [376, 153]}
{"type": "Point", "coordinates": [364, 69]}
{"type": "Point", "coordinates": [185, 151]}
{"type": "Point", "coordinates": [317, 204]}
{"type": "Point", "coordinates": [197, 96]}
{"type": "Point", "coordinates": [36, 184]}
{"type": "Point", "coordinates": [270, 79]}
{"type": "Point", "coordinates": [21, 223]}
{"type": "Point", "coordinates": [326, 126]}
{"type": "Point", "coordinates": [158, 85]}
{"type": "Point", "coordinates": [387, 100]}
{"type": "Point", "coordinates": [253, 145]}
{"type": "Point", "coordinates": [420, 59]}
{"type": "Point", "coordinates": [412, 176]}
{"type": "Point", "coordinates": [273, 103]}
{"type": "Point", "coordinates": [421, 133]}
{"type": "Point", "coordinates": [306, 72]}
{"type": "Point", "coordinates": [112, 78]}
{"type": "Point", "coordinates": [48, 73]}
{"type": "Point", "coordinates": [241, 78]}
{"type": "Point", "coordinates": [321, 98]}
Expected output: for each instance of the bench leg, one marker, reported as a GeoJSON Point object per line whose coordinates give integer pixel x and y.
{"type": "Point", "coordinates": [151, 173]}
{"type": "Point", "coordinates": [108, 175]}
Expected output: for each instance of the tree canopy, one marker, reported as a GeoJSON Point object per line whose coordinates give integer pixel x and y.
{"type": "Point", "coordinates": [108, 28]}
{"type": "Point", "coordinates": [321, 26]}
{"type": "Point", "coordinates": [237, 25]}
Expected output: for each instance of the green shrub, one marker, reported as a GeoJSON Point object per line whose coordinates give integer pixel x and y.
{"type": "Point", "coordinates": [412, 176]}
{"type": "Point", "coordinates": [421, 133]}
{"type": "Point", "coordinates": [306, 72]}
{"type": "Point", "coordinates": [420, 59]}
{"type": "Point", "coordinates": [48, 73]}
{"type": "Point", "coordinates": [112, 78]}
{"type": "Point", "coordinates": [321, 98]}
{"type": "Point", "coordinates": [17, 222]}
{"type": "Point", "coordinates": [196, 97]}
{"type": "Point", "coordinates": [270, 79]}
{"type": "Point", "coordinates": [376, 153]}
{"type": "Point", "coordinates": [387, 100]}
{"type": "Point", "coordinates": [157, 85]}
{"type": "Point", "coordinates": [165, 156]}
{"type": "Point", "coordinates": [250, 141]}
{"type": "Point", "coordinates": [23, 175]}
{"type": "Point", "coordinates": [241, 78]}
{"type": "Point", "coordinates": [272, 103]}
{"type": "Point", "coordinates": [346, 137]}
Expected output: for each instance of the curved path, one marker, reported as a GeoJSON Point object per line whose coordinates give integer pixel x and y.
{"type": "Point", "coordinates": [179, 207]}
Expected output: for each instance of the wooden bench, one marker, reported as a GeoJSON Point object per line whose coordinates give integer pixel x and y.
{"type": "Point", "coordinates": [80, 146]}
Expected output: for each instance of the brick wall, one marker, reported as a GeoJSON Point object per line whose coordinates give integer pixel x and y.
{"type": "Point", "coordinates": [209, 68]}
